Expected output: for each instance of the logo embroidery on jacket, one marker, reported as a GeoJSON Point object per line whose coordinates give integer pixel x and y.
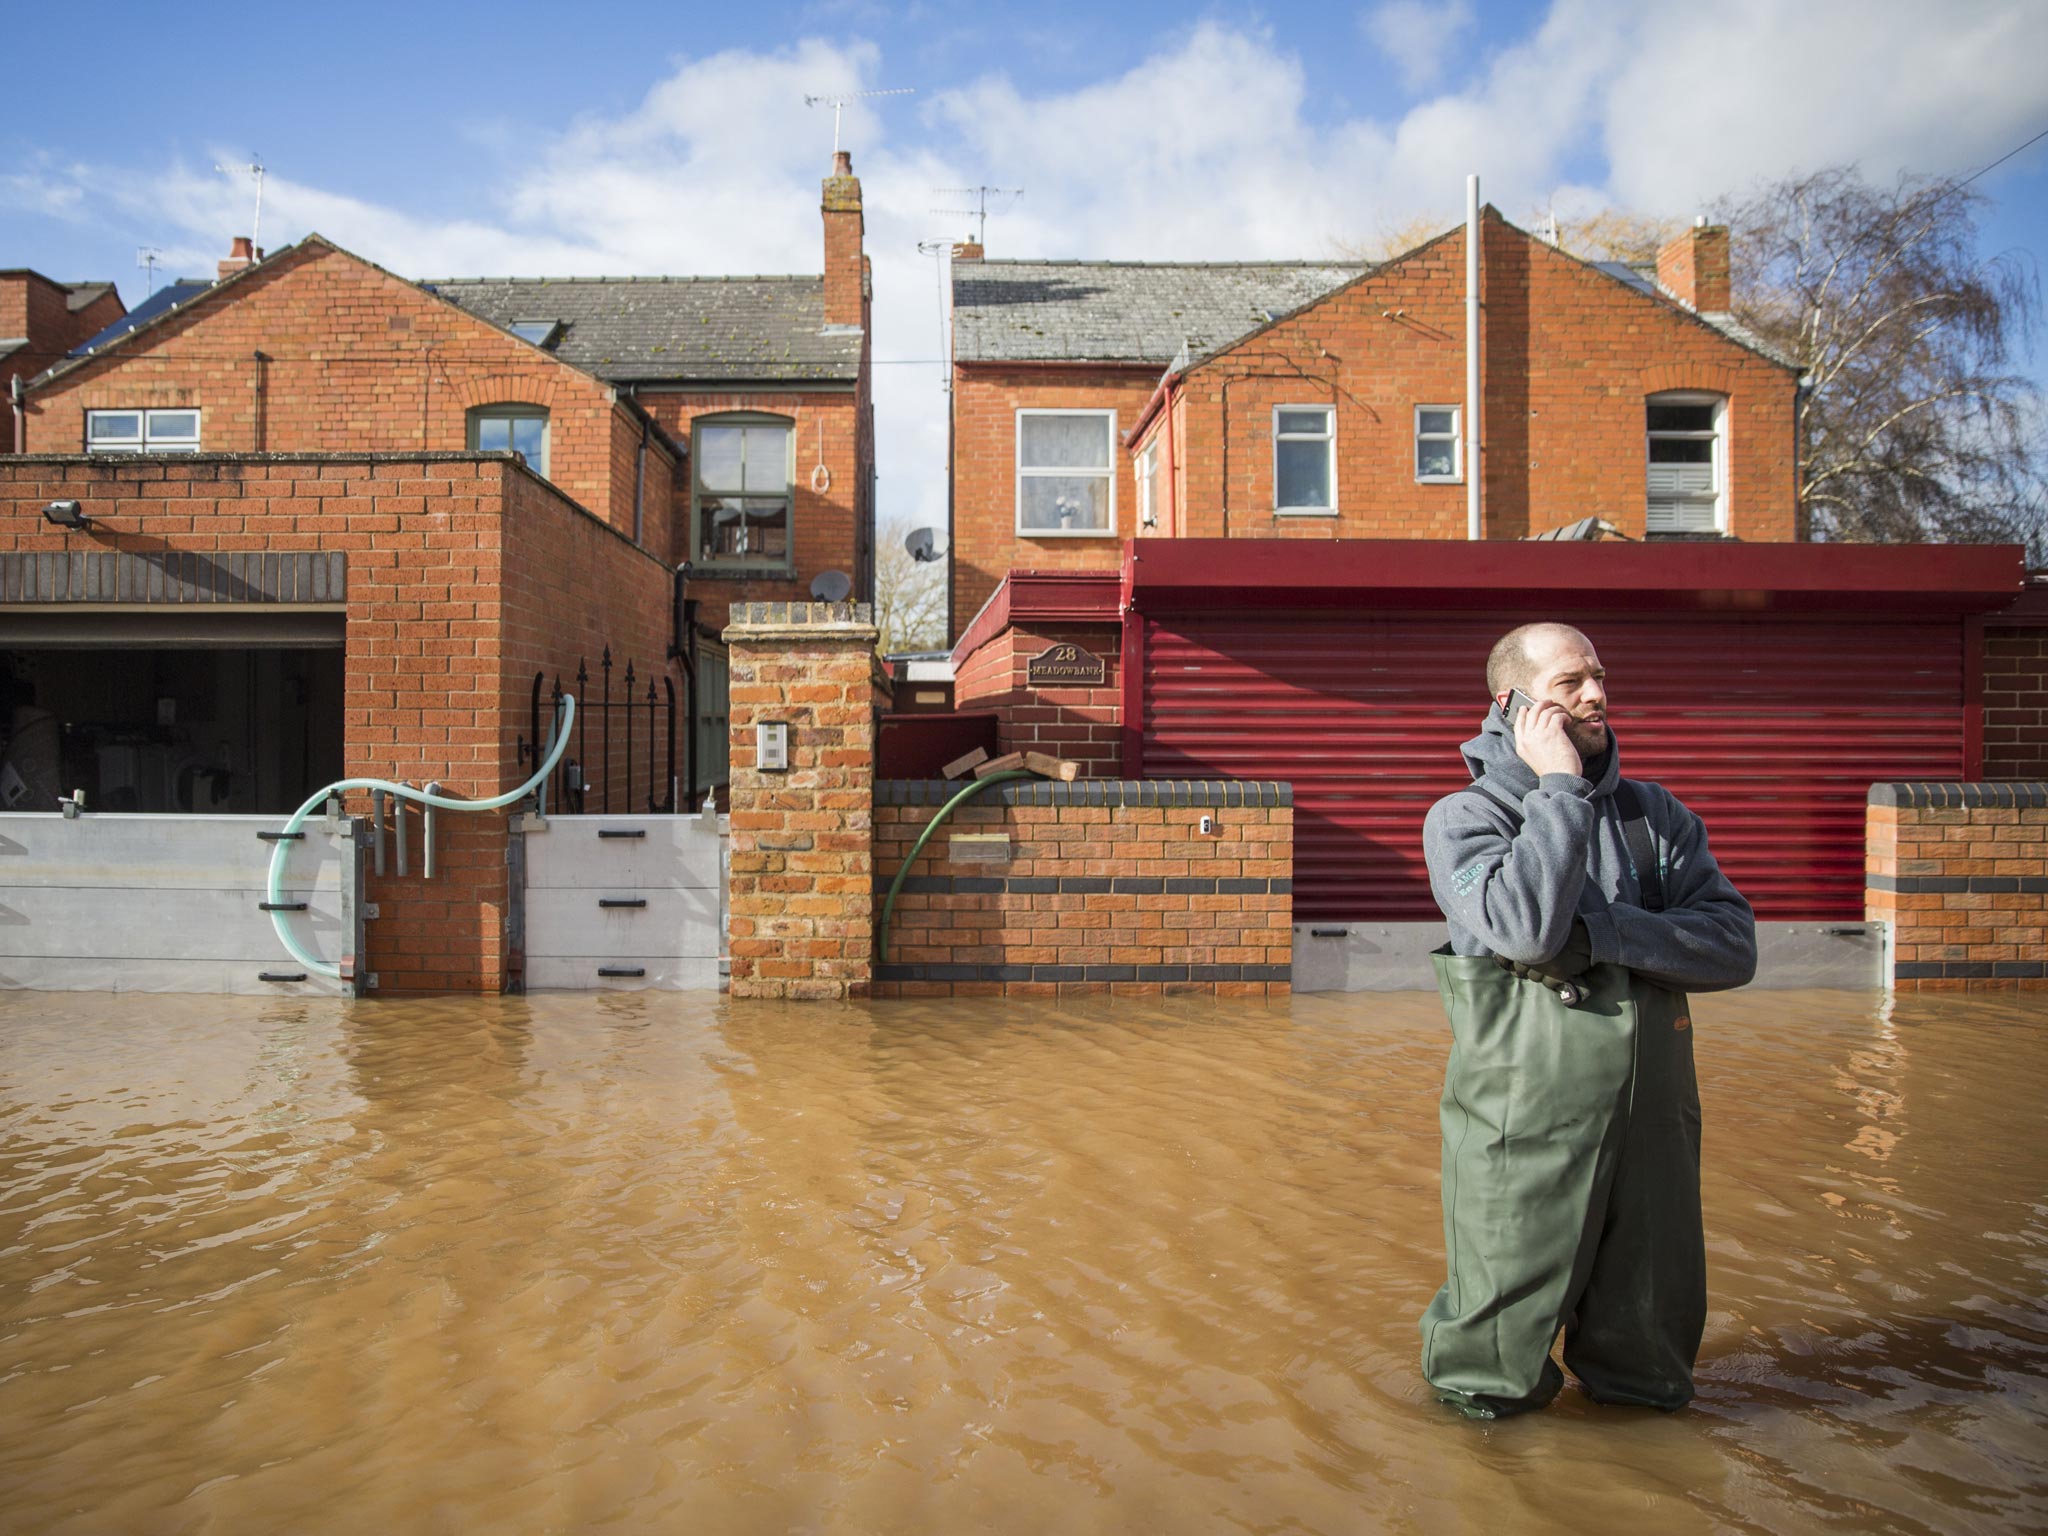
{"type": "Point", "coordinates": [1468, 877]}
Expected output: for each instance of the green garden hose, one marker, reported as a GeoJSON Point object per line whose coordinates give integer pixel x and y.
{"type": "Point", "coordinates": [889, 905]}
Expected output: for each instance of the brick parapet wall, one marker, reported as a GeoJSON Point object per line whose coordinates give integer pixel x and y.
{"type": "Point", "coordinates": [801, 923]}
{"type": "Point", "coordinates": [1045, 889]}
{"type": "Point", "coordinates": [1078, 723]}
{"type": "Point", "coordinates": [1960, 871]}
{"type": "Point", "coordinates": [2016, 701]}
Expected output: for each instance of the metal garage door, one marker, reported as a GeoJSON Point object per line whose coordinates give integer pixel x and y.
{"type": "Point", "coordinates": [1771, 728]}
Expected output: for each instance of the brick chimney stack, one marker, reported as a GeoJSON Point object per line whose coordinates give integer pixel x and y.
{"type": "Point", "coordinates": [1694, 268]}
{"type": "Point", "coordinates": [845, 268]}
{"type": "Point", "coordinates": [968, 250]}
{"type": "Point", "coordinates": [243, 255]}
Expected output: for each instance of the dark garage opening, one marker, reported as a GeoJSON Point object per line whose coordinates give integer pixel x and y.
{"type": "Point", "coordinates": [218, 727]}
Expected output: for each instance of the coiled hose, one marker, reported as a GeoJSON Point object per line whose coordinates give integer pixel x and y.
{"type": "Point", "coordinates": [567, 716]}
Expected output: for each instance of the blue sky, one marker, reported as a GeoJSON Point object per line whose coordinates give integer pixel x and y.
{"type": "Point", "coordinates": [528, 138]}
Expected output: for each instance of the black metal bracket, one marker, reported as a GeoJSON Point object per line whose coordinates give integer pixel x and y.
{"type": "Point", "coordinates": [622, 970]}
{"type": "Point", "coordinates": [280, 906]}
{"type": "Point", "coordinates": [282, 837]}
{"type": "Point", "coordinates": [622, 901]}
{"type": "Point", "coordinates": [280, 975]}
{"type": "Point", "coordinates": [1329, 933]}
{"type": "Point", "coordinates": [621, 832]}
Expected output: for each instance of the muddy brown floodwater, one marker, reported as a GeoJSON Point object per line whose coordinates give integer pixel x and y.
{"type": "Point", "coordinates": [658, 1263]}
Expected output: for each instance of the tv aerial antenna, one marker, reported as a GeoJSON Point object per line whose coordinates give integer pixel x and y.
{"type": "Point", "coordinates": [937, 250]}
{"type": "Point", "coordinates": [839, 102]}
{"type": "Point", "coordinates": [254, 168]}
{"type": "Point", "coordinates": [146, 257]}
{"type": "Point", "coordinates": [980, 210]}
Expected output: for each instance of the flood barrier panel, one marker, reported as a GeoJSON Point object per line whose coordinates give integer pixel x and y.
{"type": "Point", "coordinates": [141, 903]}
{"type": "Point", "coordinates": [625, 903]}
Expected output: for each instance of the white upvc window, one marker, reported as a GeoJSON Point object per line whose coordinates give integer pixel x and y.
{"type": "Point", "coordinates": [1305, 459]}
{"type": "Point", "coordinates": [1688, 459]}
{"type": "Point", "coordinates": [169, 431]}
{"type": "Point", "coordinates": [1148, 485]}
{"type": "Point", "coordinates": [1066, 474]}
{"type": "Point", "coordinates": [1439, 445]}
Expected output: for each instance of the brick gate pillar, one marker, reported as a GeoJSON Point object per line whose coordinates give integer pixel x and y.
{"type": "Point", "coordinates": [801, 893]}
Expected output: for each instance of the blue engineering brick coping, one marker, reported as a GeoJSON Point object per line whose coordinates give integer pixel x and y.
{"type": "Point", "coordinates": [1189, 794]}
{"type": "Point", "coordinates": [1950, 795]}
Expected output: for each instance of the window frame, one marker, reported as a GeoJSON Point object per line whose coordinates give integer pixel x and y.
{"type": "Point", "coordinates": [1717, 436]}
{"type": "Point", "coordinates": [1063, 471]}
{"type": "Point", "coordinates": [1327, 437]}
{"type": "Point", "coordinates": [514, 410]}
{"type": "Point", "coordinates": [1146, 468]}
{"type": "Point", "coordinates": [784, 564]}
{"type": "Point", "coordinates": [143, 442]}
{"type": "Point", "coordinates": [1457, 437]}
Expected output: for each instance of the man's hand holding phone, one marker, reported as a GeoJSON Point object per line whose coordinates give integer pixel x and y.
{"type": "Point", "coordinates": [1540, 738]}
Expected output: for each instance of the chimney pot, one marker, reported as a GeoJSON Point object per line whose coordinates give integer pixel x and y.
{"type": "Point", "coordinates": [243, 254]}
{"type": "Point", "coordinates": [842, 162]}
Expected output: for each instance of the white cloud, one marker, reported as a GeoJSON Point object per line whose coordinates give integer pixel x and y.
{"type": "Point", "coordinates": [1210, 147]}
{"type": "Point", "coordinates": [1418, 35]}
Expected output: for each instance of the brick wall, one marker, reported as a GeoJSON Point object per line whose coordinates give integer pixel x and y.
{"type": "Point", "coordinates": [38, 309]}
{"type": "Point", "coordinates": [1044, 889]}
{"type": "Point", "coordinates": [2016, 702]}
{"type": "Point", "coordinates": [352, 360]}
{"type": "Point", "coordinates": [986, 545]}
{"type": "Point", "coordinates": [464, 573]}
{"type": "Point", "coordinates": [800, 922]}
{"type": "Point", "coordinates": [829, 428]}
{"type": "Point", "coordinates": [1961, 872]}
{"type": "Point", "coordinates": [1078, 723]}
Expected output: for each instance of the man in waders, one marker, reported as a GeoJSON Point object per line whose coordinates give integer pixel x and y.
{"type": "Point", "coordinates": [1582, 908]}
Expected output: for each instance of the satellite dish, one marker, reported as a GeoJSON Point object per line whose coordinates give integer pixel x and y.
{"type": "Point", "coordinates": [831, 586]}
{"type": "Point", "coordinates": [921, 545]}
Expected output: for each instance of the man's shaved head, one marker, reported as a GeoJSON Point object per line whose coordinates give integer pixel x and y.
{"type": "Point", "coordinates": [1513, 661]}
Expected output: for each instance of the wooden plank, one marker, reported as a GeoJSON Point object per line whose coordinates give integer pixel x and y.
{"type": "Point", "coordinates": [1047, 767]}
{"type": "Point", "coordinates": [551, 973]}
{"type": "Point", "coordinates": [1003, 764]}
{"type": "Point", "coordinates": [960, 767]}
{"type": "Point", "coordinates": [235, 977]}
{"type": "Point", "coordinates": [569, 923]}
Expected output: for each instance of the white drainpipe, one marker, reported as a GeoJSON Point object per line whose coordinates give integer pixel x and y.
{"type": "Point", "coordinates": [1471, 357]}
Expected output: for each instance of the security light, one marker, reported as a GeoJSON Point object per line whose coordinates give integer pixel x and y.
{"type": "Point", "coordinates": [66, 514]}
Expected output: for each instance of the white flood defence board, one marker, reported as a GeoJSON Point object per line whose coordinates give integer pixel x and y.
{"type": "Point", "coordinates": [1394, 957]}
{"type": "Point", "coordinates": [135, 903]}
{"type": "Point", "coordinates": [625, 902]}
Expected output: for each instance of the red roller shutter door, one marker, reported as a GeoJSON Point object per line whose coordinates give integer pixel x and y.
{"type": "Point", "coordinates": [1772, 729]}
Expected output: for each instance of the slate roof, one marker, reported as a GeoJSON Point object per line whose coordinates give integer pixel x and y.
{"type": "Point", "coordinates": [1125, 311]}
{"type": "Point", "coordinates": [644, 329]}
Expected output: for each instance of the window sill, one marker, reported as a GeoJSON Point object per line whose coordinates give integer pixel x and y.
{"type": "Point", "coordinates": [1066, 533]}
{"type": "Point", "coordinates": [1304, 511]}
{"type": "Point", "coordinates": [736, 572]}
{"type": "Point", "coordinates": [1439, 479]}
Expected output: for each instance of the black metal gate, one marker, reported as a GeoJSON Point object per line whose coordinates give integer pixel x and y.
{"type": "Point", "coordinates": [582, 784]}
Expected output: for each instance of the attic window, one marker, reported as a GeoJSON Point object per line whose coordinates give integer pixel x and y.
{"type": "Point", "coordinates": [542, 333]}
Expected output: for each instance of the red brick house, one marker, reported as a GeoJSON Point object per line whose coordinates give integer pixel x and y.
{"type": "Point", "coordinates": [41, 319]}
{"type": "Point", "coordinates": [1095, 402]}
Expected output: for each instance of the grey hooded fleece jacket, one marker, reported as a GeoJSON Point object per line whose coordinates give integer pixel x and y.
{"type": "Point", "coordinates": [1515, 893]}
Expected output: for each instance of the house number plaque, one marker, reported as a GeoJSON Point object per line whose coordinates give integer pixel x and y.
{"type": "Point", "coordinates": [1064, 666]}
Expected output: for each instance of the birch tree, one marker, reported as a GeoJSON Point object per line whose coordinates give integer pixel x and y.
{"type": "Point", "coordinates": [1917, 424]}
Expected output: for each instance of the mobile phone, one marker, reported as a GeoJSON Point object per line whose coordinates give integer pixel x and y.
{"type": "Point", "coordinates": [1518, 702]}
